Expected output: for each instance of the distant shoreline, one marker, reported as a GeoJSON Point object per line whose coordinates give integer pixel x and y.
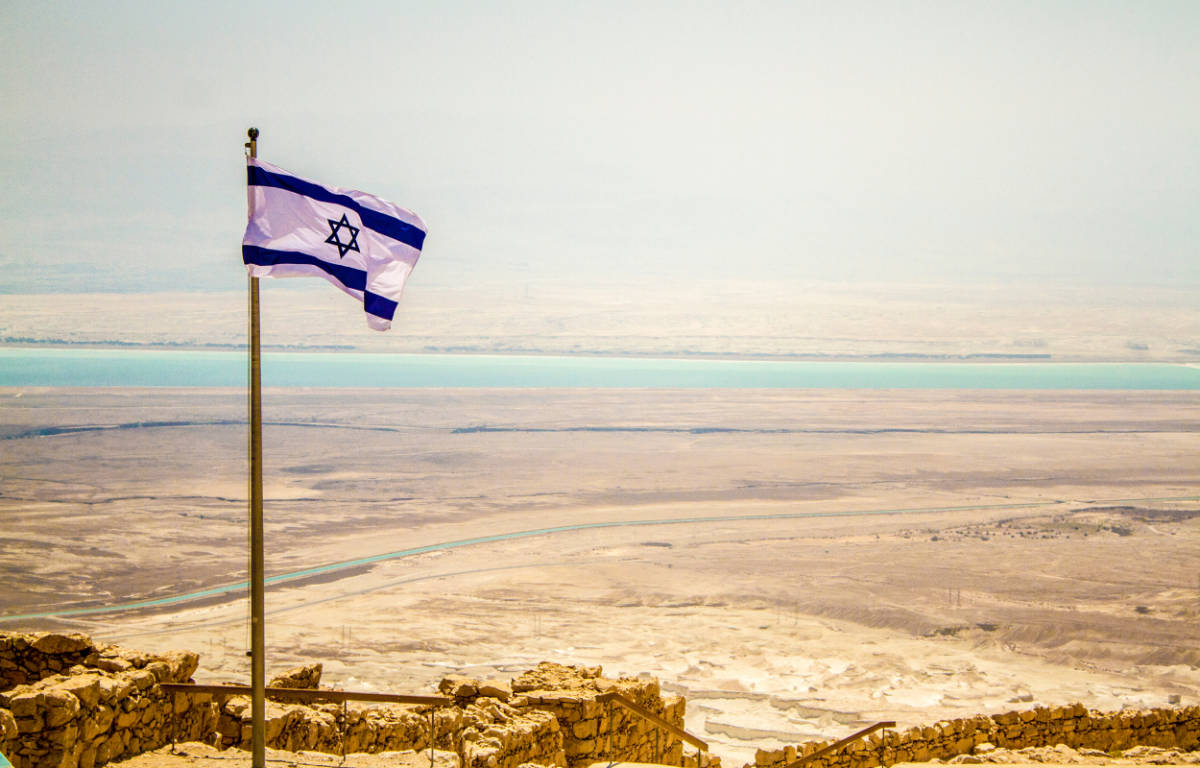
{"type": "Point", "coordinates": [753, 323]}
{"type": "Point", "coordinates": [876, 357]}
{"type": "Point", "coordinates": [83, 366]}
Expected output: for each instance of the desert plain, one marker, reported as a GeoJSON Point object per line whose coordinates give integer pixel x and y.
{"type": "Point", "coordinates": [795, 562]}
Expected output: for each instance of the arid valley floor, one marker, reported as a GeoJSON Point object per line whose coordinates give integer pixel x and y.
{"type": "Point", "coordinates": [794, 562]}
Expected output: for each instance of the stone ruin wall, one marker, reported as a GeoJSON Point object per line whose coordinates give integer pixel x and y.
{"type": "Point", "coordinates": [595, 731]}
{"type": "Point", "coordinates": [1072, 725]}
{"type": "Point", "coordinates": [66, 702]}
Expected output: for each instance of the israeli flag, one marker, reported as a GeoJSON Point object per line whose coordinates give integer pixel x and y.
{"type": "Point", "coordinates": [363, 245]}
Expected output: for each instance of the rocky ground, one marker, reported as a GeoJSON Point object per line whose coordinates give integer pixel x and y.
{"type": "Point", "coordinates": [198, 755]}
{"type": "Point", "coordinates": [202, 756]}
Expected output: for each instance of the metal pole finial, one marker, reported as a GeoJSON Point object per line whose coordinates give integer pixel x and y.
{"type": "Point", "coordinates": [253, 134]}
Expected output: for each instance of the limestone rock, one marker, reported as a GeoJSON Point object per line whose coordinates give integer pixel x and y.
{"type": "Point", "coordinates": [109, 748]}
{"type": "Point", "coordinates": [109, 663]}
{"type": "Point", "coordinates": [8, 726]}
{"type": "Point", "coordinates": [495, 689]}
{"type": "Point", "coordinates": [61, 707]}
{"type": "Point", "coordinates": [459, 686]}
{"type": "Point", "coordinates": [143, 679]}
{"type": "Point", "coordinates": [549, 676]}
{"type": "Point", "coordinates": [114, 689]}
{"type": "Point", "coordinates": [160, 670]}
{"type": "Point", "coordinates": [86, 688]}
{"type": "Point", "coordinates": [26, 704]}
{"type": "Point", "coordinates": [237, 706]}
{"type": "Point", "coordinates": [182, 664]}
{"type": "Point", "coordinates": [56, 644]}
{"type": "Point", "coordinates": [307, 677]}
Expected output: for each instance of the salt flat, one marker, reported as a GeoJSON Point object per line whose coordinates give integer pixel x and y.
{"type": "Point", "coordinates": [878, 555]}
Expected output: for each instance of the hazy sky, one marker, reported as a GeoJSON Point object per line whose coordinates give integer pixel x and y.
{"type": "Point", "coordinates": [576, 141]}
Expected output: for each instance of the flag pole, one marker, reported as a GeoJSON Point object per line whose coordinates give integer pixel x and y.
{"type": "Point", "coordinates": [258, 701]}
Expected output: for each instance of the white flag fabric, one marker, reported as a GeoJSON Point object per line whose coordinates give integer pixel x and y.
{"type": "Point", "coordinates": [363, 245]}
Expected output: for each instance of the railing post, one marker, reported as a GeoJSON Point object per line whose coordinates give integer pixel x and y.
{"type": "Point", "coordinates": [611, 725]}
{"type": "Point", "coordinates": [345, 729]}
{"type": "Point", "coordinates": [432, 733]}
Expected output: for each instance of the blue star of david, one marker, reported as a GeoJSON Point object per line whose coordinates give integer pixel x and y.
{"type": "Point", "coordinates": [335, 228]}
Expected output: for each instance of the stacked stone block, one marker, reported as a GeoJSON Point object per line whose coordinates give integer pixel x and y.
{"type": "Point", "coordinates": [486, 733]}
{"type": "Point", "coordinates": [79, 705]}
{"type": "Point", "coordinates": [503, 736]}
{"type": "Point", "coordinates": [1072, 725]}
{"type": "Point", "coordinates": [29, 658]}
{"type": "Point", "coordinates": [306, 677]}
{"type": "Point", "coordinates": [335, 729]}
{"type": "Point", "coordinates": [594, 730]}
{"type": "Point", "coordinates": [68, 703]}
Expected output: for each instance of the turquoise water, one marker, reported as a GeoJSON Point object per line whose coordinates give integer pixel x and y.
{"type": "Point", "coordinates": [58, 367]}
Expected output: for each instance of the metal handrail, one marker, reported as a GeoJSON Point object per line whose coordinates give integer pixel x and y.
{"type": "Point", "coordinates": [311, 694]}
{"type": "Point", "coordinates": [695, 741]}
{"type": "Point", "coordinates": [316, 694]}
{"type": "Point", "coordinates": [614, 697]}
{"type": "Point", "coordinates": [841, 743]}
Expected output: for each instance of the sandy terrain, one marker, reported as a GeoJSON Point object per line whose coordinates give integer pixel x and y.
{"type": "Point", "coordinates": [194, 755]}
{"type": "Point", "coordinates": [864, 555]}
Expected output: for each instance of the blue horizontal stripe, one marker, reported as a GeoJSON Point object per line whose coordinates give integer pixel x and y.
{"type": "Point", "coordinates": [382, 223]}
{"type": "Point", "coordinates": [350, 277]}
{"type": "Point", "coordinates": [377, 305]}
